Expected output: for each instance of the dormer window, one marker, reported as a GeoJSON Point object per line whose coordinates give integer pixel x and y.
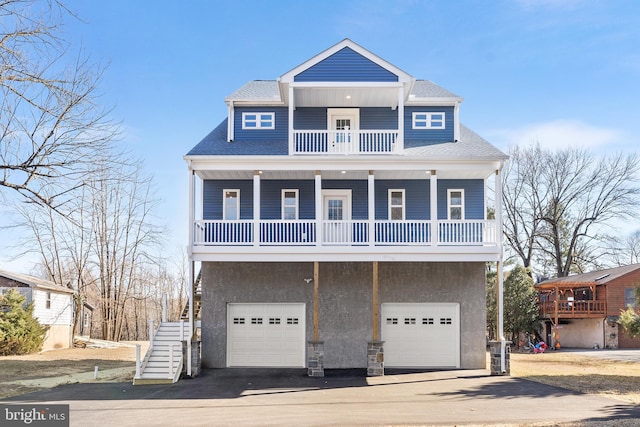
{"type": "Point", "coordinates": [258, 120]}
{"type": "Point", "coordinates": [428, 120]}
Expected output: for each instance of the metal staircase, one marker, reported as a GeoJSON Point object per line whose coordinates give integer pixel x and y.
{"type": "Point", "coordinates": [197, 300]}
{"type": "Point", "coordinates": [164, 360]}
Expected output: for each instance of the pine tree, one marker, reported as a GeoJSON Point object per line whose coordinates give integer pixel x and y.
{"type": "Point", "coordinates": [520, 303]}
{"type": "Point", "coordinates": [20, 331]}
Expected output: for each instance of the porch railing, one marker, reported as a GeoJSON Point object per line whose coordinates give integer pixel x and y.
{"type": "Point", "coordinates": [353, 232]}
{"type": "Point", "coordinates": [345, 142]}
{"type": "Point", "coordinates": [466, 232]}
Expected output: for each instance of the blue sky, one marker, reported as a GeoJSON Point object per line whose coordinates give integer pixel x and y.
{"type": "Point", "coordinates": [555, 71]}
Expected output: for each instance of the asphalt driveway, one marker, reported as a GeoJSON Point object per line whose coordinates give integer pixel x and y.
{"type": "Point", "coordinates": [235, 397]}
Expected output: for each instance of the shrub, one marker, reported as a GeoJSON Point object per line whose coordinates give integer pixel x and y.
{"type": "Point", "coordinates": [20, 331]}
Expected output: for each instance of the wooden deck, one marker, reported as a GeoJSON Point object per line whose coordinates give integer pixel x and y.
{"type": "Point", "coordinates": [574, 309]}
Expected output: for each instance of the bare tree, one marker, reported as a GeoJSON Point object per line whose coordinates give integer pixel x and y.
{"type": "Point", "coordinates": [625, 250]}
{"type": "Point", "coordinates": [558, 202]}
{"type": "Point", "coordinates": [124, 241]}
{"type": "Point", "coordinates": [521, 202]}
{"type": "Point", "coordinates": [51, 125]}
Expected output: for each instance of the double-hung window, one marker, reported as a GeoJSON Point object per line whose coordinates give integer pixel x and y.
{"type": "Point", "coordinates": [428, 120]}
{"type": "Point", "coordinates": [290, 204]}
{"type": "Point", "coordinates": [455, 204]}
{"type": "Point", "coordinates": [258, 120]}
{"type": "Point", "coordinates": [396, 205]}
{"type": "Point", "coordinates": [231, 205]}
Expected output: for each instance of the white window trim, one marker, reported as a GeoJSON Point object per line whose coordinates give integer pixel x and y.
{"type": "Point", "coordinates": [297, 206]}
{"type": "Point", "coordinates": [404, 202]}
{"type": "Point", "coordinates": [258, 122]}
{"type": "Point", "coordinates": [429, 122]}
{"type": "Point", "coordinates": [449, 205]}
{"type": "Point", "coordinates": [224, 202]}
{"type": "Point", "coordinates": [351, 113]}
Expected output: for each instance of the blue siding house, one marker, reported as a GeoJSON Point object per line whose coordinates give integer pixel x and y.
{"type": "Point", "coordinates": [338, 219]}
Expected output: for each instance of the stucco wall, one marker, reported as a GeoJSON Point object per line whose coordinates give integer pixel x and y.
{"type": "Point", "coordinates": [582, 333]}
{"type": "Point", "coordinates": [345, 302]}
{"type": "Point", "coordinates": [463, 283]}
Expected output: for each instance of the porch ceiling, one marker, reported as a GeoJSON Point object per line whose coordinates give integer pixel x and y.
{"type": "Point", "coordinates": [337, 175]}
{"type": "Point", "coordinates": [346, 97]}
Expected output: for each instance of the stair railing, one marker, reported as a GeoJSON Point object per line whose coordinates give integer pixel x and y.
{"type": "Point", "coordinates": [141, 364]}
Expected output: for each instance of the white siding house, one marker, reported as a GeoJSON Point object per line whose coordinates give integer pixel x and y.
{"type": "Point", "coordinates": [53, 306]}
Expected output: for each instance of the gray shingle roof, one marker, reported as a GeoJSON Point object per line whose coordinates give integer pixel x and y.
{"type": "Point", "coordinates": [35, 282]}
{"type": "Point", "coordinates": [428, 89]}
{"type": "Point", "coordinates": [470, 147]}
{"type": "Point", "coordinates": [257, 90]}
{"type": "Point", "coordinates": [260, 90]}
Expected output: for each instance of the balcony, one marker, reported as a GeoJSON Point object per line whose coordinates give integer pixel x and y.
{"type": "Point", "coordinates": [574, 309]}
{"type": "Point", "coordinates": [346, 142]}
{"type": "Point", "coordinates": [356, 233]}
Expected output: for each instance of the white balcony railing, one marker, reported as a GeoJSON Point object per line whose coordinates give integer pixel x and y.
{"type": "Point", "coordinates": [353, 233]}
{"type": "Point", "coordinates": [470, 232]}
{"type": "Point", "coordinates": [345, 142]}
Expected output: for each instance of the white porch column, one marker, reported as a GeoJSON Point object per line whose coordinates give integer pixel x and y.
{"type": "Point", "coordinates": [191, 317]}
{"type": "Point", "coordinates": [433, 201]}
{"type": "Point", "coordinates": [292, 107]}
{"type": "Point", "coordinates": [371, 197]}
{"type": "Point", "coordinates": [192, 208]}
{"type": "Point", "coordinates": [256, 208]}
{"type": "Point", "coordinates": [400, 141]}
{"type": "Point", "coordinates": [319, 228]}
{"type": "Point", "coordinates": [498, 185]}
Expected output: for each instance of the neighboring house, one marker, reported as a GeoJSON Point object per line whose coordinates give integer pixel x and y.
{"type": "Point", "coordinates": [585, 307]}
{"type": "Point", "coordinates": [339, 214]}
{"type": "Point", "coordinates": [52, 306]}
{"type": "Point", "coordinates": [85, 320]}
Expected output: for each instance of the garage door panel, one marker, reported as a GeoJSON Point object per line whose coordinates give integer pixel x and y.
{"type": "Point", "coordinates": [266, 335]}
{"type": "Point", "coordinates": [421, 334]}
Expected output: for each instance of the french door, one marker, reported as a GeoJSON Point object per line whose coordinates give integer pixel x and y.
{"type": "Point", "coordinates": [337, 216]}
{"type": "Point", "coordinates": [343, 124]}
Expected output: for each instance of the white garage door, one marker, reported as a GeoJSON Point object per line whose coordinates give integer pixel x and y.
{"type": "Point", "coordinates": [266, 335]}
{"type": "Point", "coordinates": [421, 335]}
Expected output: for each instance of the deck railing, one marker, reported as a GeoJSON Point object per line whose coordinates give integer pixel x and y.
{"type": "Point", "coordinates": [353, 232]}
{"type": "Point", "coordinates": [575, 308]}
{"type": "Point", "coordinates": [345, 142]}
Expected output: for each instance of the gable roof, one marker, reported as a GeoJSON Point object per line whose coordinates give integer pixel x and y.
{"type": "Point", "coordinates": [599, 277]}
{"type": "Point", "coordinates": [34, 282]}
{"type": "Point", "coordinates": [289, 76]}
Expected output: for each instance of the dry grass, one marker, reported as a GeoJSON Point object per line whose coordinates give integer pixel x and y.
{"type": "Point", "coordinates": [611, 378]}
{"type": "Point", "coordinates": [33, 372]}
